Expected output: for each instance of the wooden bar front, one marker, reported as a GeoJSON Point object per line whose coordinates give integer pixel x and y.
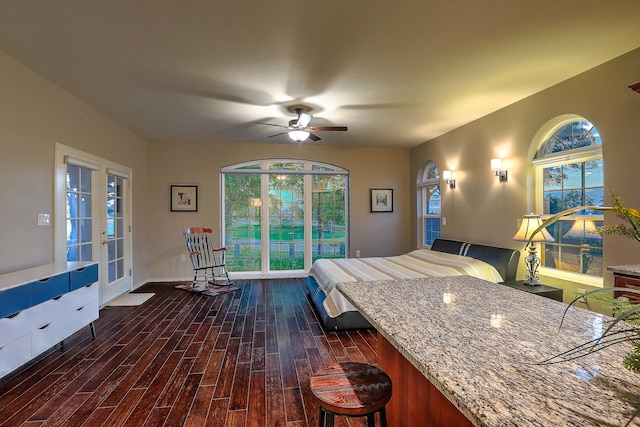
{"type": "Point", "coordinates": [415, 401]}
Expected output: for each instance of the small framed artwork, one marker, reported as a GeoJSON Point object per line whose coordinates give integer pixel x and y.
{"type": "Point", "coordinates": [381, 200]}
{"type": "Point", "coordinates": [184, 198]}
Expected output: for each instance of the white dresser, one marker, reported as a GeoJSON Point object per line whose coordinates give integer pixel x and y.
{"type": "Point", "coordinates": [41, 306]}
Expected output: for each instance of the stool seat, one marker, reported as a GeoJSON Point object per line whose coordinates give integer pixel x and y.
{"type": "Point", "coordinates": [351, 389]}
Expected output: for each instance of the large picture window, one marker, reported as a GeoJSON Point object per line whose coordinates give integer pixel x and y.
{"type": "Point", "coordinates": [569, 171]}
{"type": "Point", "coordinates": [281, 215]}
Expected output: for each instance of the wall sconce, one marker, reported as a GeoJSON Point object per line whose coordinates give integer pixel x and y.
{"type": "Point", "coordinates": [496, 166]}
{"type": "Point", "coordinates": [448, 178]}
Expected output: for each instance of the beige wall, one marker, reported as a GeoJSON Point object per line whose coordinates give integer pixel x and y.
{"type": "Point", "coordinates": [483, 210]}
{"type": "Point", "coordinates": [34, 115]}
{"type": "Point", "coordinates": [375, 234]}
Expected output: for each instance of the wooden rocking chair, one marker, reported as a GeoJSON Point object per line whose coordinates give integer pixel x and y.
{"type": "Point", "coordinates": [208, 262]}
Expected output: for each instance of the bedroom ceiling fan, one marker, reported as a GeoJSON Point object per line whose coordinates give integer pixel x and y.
{"type": "Point", "coordinates": [299, 129]}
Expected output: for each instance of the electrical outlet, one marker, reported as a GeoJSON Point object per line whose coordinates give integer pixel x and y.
{"type": "Point", "coordinates": [357, 253]}
{"type": "Point", "coordinates": [183, 257]}
{"type": "Point", "coordinates": [444, 221]}
{"type": "Point", "coordinates": [582, 299]}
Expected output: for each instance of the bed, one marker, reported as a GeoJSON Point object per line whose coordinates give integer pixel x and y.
{"type": "Point", "coordinates": [445, 258]}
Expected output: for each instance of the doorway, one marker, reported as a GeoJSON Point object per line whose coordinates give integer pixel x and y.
{"type": "Point", "coordinates": [93, 217]}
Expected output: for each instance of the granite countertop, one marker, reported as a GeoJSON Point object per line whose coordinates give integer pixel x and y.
{"type": "Point", "coordinates": [482, 347]}
{"type": "Point", "coordinates": [629, 270]}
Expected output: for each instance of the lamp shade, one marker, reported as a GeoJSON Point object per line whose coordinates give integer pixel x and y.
{"type": "Point", "coordinates": [496, 164]}
{"type": "Point", "coordinates": [298, 135]}
{"type": "Point", "coordinates": [583, 228]}
{"type": "Point", "coordinates": [446, 175]}
{"type": "Point", "coordinates": [529, 224]}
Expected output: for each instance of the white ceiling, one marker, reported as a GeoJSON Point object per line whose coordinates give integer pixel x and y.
{"type": "Point", "coordinates": [397, 73]}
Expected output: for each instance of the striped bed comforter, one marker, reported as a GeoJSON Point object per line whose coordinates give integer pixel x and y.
{"type": "Point", "coordinates": [418, 263]}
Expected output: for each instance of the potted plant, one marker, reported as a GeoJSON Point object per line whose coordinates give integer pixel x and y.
{"type": "Point", "coordinates": [625, 325]}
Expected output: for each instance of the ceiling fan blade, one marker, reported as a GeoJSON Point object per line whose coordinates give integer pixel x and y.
{"type": "Point", "coordinates": [277, 134]}
{"type": "Point", "coordinates": [304, 119]}
{"type": "Point", "coordinates": [314, 137]}
{"type": "Point", "coordinates": [326, 128]}
{"type": "Point", "coordinates": [271, 124]}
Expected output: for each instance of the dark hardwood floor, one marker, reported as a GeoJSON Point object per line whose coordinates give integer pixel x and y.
{"type": "Point", "coordinates": [238, 359]}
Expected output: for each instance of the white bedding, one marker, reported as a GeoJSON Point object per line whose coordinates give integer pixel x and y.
{"type": "Point", "coordinates": [418, 263]}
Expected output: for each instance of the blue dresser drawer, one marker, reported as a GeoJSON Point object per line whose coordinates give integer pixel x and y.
{"type": "Point", "coordinates": [14, 300]}
{"type": "Point", "coordinates": [46, 289]}
{"type": "Point", "coordinates": [84, 276]}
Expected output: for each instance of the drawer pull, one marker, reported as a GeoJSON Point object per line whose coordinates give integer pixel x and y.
{"type": "Point", "coordinates": [44, 280]}
{"type": "Point", "coordinates": [57, 298]}
{"type": "Point", "coordinates": [45, 326]}
{"type": "Point", "coordinates": [81, 308]}
{"type": "Point", "coordinates": [13, 315]}
{"type": "Point", "coordinates": [80, 269]}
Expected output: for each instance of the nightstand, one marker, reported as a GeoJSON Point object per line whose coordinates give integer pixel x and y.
{"type": "Point", "coordinates": [626, 276]}
{"type": "Point", "coordinates": [542, 290]}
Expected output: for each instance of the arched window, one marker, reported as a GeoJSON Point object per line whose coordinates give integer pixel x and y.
{"type": "Point", "coordinates": [569, 173]}
{"type": "Point", "coordinates": [429, 204]}
{"type": "Point", "coordinates": [280, 215]}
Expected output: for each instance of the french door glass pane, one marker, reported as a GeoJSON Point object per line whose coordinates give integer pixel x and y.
{"type": "Point", "coordinates": [115, 234]}
{"type": "Point", "coordinates": [79, 221]}
{"type": "Point", "coordinates": [243, 222]}
{"type": "Point", "coordinates": [329, 238]}
{"type": "Point", "coordinates": [286, 222]}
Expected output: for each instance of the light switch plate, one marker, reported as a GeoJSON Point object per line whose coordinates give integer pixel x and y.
{"type": "Point", "coordinates": [43, 219]}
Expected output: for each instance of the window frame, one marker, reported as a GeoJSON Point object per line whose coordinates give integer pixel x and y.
{"type": "Point", "coordinates": [306, 168]}
{"type": "Point", "coordinates": [539, 163]}
{"type": "Point", "coordinates": [424, 183]}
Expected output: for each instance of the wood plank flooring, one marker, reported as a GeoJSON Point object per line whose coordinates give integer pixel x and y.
{"type": "Point", "coordinates": [180, 359]}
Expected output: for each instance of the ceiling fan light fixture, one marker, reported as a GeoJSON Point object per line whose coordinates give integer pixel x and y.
{"type": "Point", "coordinates": [304, 119]}
{"type": "Point", "coordinates": [298, 135]}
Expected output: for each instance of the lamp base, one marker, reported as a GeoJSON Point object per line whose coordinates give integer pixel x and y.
{"type": "Point", "coordinates": [532, 262]}
{"type": "Point", "coordinates": [532, 282]}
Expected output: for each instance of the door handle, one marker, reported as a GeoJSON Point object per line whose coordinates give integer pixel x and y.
{"type": "Point", "coordinates": [104, 242]}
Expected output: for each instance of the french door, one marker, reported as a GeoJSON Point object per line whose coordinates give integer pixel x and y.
{"type": "Point", "coordinates": [92, 221]}
{"type": "Point", "coordinates": [115, 234]}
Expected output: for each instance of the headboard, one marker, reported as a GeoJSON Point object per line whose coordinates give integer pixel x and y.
{"type": "Point", "coordinates": [504, 260]}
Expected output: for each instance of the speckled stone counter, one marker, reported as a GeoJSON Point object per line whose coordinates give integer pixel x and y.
{"type": "Point", "coordinates": [629, 270]}
{"type": "Point", "coordinates": [478, 343]}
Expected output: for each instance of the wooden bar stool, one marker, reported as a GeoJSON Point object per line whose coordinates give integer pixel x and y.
{"type": "Point", "coordinates": [351, 389]}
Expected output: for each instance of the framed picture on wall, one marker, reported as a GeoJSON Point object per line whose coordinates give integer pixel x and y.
{"type": "Point", "coordinates": [184, 198]}
{"type": "Point", "coordinates": [381, 200]}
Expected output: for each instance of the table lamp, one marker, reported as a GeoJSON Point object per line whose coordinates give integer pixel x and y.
{"type": "Point", "coordinates": [584, 229]}
{"type": "Point", "coordinates": [529, 224]}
